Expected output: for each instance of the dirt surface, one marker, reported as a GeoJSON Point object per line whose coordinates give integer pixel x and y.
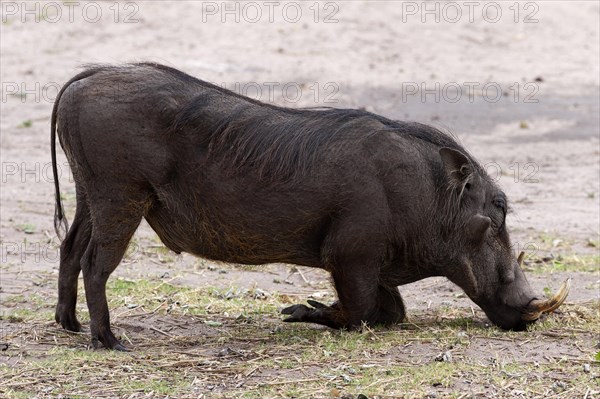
{"type": "Point", "coordinates": [535, 126]}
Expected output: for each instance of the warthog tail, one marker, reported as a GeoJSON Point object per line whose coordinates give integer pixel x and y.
{"type": "Point", "coordinates": [59, 217]}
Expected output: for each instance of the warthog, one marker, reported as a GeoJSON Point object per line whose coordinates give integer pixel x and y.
{"type": "Point", "coordinates": [377, 203]}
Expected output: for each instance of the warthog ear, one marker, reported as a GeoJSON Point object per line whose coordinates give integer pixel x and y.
{"type": "Point", "coordinates": [456, 164]}
{"type": "Point", "coordinates": [478, 227]}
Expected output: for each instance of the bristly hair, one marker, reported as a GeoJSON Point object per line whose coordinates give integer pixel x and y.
{"type": "Point", "coordinates": [280, 143]}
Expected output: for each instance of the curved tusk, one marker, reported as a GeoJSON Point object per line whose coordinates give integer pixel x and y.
{"type": "Point", "coordinates": [520, 259]}
{"type": "Point", "coordinates": [559, 298]}
{"type": "Point", "coordinates": [548, 305]}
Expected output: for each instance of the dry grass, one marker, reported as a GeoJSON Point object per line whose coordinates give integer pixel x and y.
{"type": "Point", "coordinates": [230, 342]}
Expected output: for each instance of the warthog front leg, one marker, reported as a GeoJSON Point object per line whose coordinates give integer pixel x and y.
{"type": "Point", "coordinates": [389, 310]}
{"type": "Point", "coordinates": [319, 313]}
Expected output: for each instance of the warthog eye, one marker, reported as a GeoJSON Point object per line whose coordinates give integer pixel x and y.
{"type": "Point", "coordinates": [500, 203]}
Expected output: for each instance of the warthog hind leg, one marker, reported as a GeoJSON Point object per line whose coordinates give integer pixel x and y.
{"type": "Point", "coordinates": [71, 251]}
{"type": "Point", "coordinates": [114, 221]}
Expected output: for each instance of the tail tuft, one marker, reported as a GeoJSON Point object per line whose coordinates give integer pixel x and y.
{"type": "Point", "coordinates": [61, 225]}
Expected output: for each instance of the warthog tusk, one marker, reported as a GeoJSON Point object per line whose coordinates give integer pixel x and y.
{"type": "Point", "coordinates": [539, 306]}
{"type": "Point", "coordinates": [520, 259]}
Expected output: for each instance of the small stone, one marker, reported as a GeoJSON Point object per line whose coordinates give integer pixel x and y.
{"type": "Point", "coordinates": [224, 352]}
{"type": "Point", "coordinates": [258, 293]}
{"type": "Point", "coordinates": [444, 357]}
{"type": "Point", "coordinates": [559, 386]}
{"type": "Point", "coordinates": [586, 368]}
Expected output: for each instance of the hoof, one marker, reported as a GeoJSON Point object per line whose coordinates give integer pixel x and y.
{"type": "Point", "coordinates": [68, 322]}
{"type": "Point", "coordinates": [115, 345]}
{"type": "Point", "coordinates": [297, 313]}
{"type": "Point", "coordinates": [319, 313]}
{"type": "Point", "coordinates": [119, 347]}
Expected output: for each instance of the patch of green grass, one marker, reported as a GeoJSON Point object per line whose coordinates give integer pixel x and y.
{"type": "Point", "coordinates": [141, 288]}
{"type": "Point", "coordinates": [28, 315]}
{"type": "Point", "coordinates": [26, 123]}
{"type": "Point", "coordinates": [588, 263]}
{"type": "Point", "coordinates": [27, 228]}
{"type": "Point", "coordinates": [30, 307]}
{"type": "Point", "coordinates": [177, 300]}
{"type": "Point", "coordinates": [14, 299]}
{"type": "Point", "coordinates": [593, 243]}
{"type": "Point", "coordinates": [549, 241]}
{"type": "Point", "coordinates": [69, 197]}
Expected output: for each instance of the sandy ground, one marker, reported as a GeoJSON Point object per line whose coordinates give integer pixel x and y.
{"type": "Point", "coordinates": [531, 115]}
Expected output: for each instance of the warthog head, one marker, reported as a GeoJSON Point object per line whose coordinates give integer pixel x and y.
{"type": "Point", "coordinates": [482, 261]}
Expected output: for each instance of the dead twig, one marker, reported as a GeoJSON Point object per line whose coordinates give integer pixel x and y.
{"type": "Point", "coordinates": [158, 330]}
